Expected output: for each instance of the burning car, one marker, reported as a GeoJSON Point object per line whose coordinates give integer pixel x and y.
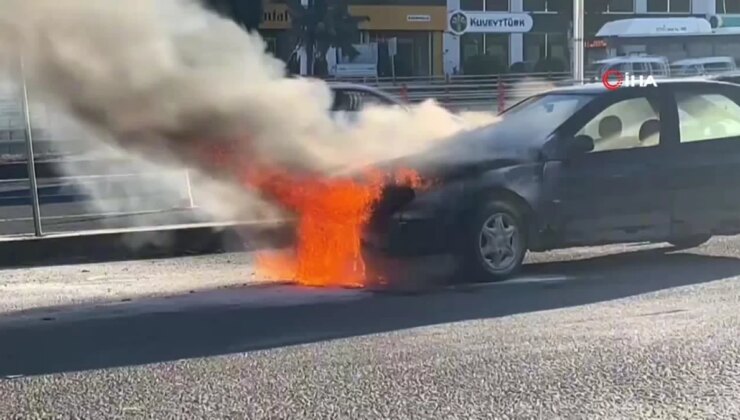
{"type": "Point", "coordinates": [572, 167]}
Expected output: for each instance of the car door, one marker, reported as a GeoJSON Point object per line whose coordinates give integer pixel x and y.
{"type": "Point", "coordinates": [705, 160]}
{"type": "Point", "coordinates": [615, 193]}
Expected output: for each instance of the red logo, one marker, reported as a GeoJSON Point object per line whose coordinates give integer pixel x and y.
{"type": "Point", "coordinates": [608, 83]}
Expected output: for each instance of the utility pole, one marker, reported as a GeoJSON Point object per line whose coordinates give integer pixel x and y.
{"type": "Point", "coordinates": [31, 164]}
{"type": "Point", "coordinates": [579, 14]}
{"type": "Point", "coordinates": [306, 51]}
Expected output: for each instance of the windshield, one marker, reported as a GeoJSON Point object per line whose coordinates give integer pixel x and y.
{"type": "Point", "coordinates": [541, 115]}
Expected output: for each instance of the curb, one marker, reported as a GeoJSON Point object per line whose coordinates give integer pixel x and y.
{"type": "Point", "coordinates": [144, 243]}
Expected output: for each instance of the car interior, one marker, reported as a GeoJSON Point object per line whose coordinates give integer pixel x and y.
{"type": "Point", "coordinates": [707, 116]}
{"type": "Point", "coordinates": [627, 124]}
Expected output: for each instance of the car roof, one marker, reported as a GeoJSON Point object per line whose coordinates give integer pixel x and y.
{"type": "Point", "coordinates": [633, 59]}
{"type": "Point", "coordinates": [597, 88]}
{"type": "Point", "coordinates": [724, 75]}
{"type": "Point", "coordinates": [704, 60]}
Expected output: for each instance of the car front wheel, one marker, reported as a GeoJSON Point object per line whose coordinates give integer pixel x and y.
{"type": "Point", "coordinates": [495, 243]}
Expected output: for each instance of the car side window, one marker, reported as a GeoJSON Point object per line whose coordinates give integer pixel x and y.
{"type": "Point", "coordinates": [627, 124]}
{"type": "Point", "coordinates": [641, 69]}
{"type": "Point", "coordinates": [707, 116]}
{"type": "Point", "coordinates": [368, 99]}
{"type": "Point", "coordinates": [348, 100]}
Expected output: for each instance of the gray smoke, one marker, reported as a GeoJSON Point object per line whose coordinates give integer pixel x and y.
{"type": "Point", "coordinates": [155, 77]}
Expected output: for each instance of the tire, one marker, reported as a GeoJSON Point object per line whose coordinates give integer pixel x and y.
{"type": "Point", "coordinates": [689, 241]}
{"type": "Point", "coordinates": [494, 243]}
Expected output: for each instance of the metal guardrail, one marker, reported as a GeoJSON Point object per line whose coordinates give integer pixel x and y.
{"type": "Point", "coordinates": [112, 181]}
{"type": "Point", "coordinates": [465, 91]}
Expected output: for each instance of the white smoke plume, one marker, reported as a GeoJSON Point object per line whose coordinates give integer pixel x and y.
{"type": "Point", "coordinates": [158, 76]}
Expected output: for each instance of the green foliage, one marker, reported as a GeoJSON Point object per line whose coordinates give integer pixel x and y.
{"type": "Point", "coordinates": [246, 13]}
{"type": "Point", "coordinates": [323, 25]}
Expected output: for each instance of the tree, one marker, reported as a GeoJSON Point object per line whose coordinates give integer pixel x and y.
{"type": "Point", "coordinates": [246, 13]}
{"type": "Point", "coordinates": [322, 25]}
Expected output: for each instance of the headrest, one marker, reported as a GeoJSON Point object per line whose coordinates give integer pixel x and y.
{"type": "Point", "coordinates": [648, 129]}
{"type": "Point", "coordinates": [610, 126]}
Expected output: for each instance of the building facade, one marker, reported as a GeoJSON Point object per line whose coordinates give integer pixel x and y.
{"type": "Point", "coordinates": [546, 31]}
{"type": "Point", "coordinates": [415, 26]}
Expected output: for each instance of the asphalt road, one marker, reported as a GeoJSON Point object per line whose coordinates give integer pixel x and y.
{"type": "Point", "coordinates": [612, 332]}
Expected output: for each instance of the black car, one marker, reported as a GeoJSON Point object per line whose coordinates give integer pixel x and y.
{"type": "Point", "coordinates": [572, 167]}
{"type": "Point", "coordinates": [733, 77]}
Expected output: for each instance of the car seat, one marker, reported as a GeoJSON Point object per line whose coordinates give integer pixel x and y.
{"type": "Point", "coordinates": [649, 134]}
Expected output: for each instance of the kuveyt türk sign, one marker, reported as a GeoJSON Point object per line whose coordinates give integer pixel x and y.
{"type": "Point", "coordinates": [463, 22]}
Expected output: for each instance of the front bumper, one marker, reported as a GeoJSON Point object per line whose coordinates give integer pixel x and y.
{"type": "Point", "coordinates": [387, 272]}
{"type": "Point", "coordinates": [425, 225]}
{"type": "Point", "coordinates": [408, 238]}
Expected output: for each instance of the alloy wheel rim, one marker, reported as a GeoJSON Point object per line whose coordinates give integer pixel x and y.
{"type": "Point", "coordinates": [499, 242]}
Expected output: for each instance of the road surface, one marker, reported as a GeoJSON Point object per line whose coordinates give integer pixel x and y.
{"type": "Point", "coordinates": [613, 332]}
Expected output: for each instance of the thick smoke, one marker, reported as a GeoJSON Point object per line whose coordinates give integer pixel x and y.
{"type": "Point", "coordinates": [157, 77]}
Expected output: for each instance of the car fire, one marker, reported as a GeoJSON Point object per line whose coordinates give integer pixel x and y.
{"type": "Point", "coordinates": [207, 96]}
{"type": "Point", "coordinates": [331, 213]}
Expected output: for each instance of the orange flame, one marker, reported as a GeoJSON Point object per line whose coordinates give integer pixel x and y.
{"type": "Point", "coordinates": [331, 215]}
{"type": "Point", "coordinates": [331, 212]}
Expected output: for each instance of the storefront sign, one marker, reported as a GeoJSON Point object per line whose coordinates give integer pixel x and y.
{"type": "Point", "coordinates": [275, 16]}
{"type": "Point", "coordinates": [418, 18]}
{"type": "Point", "coordinates": [356, 70]}
{"type": "Point", "coordinates": [380, 18]}
{"type": "Point", "coordinates": [486, 22]}
{"type": "Point", "coordinates": [596, 43]}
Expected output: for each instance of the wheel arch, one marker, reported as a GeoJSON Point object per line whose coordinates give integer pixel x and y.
{"type": "Point", "coordinates": [499, 193]}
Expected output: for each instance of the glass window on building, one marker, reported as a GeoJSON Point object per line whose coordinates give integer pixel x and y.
{"type": "Point", "coordinates": [471, 5]}
{"type": "Point", "coordinates": [540, 45]}
{"type": "Point", "coordinates": [557, 47]}
{"type": "Point", "coordinates": [551, 6]}
{"type": "Point", "coordinates": [669, 6]}
{"type": "Point", "coordinates": [620, 6]}
{"type": "Point", "coordinates": [413, 55]}
{"type": "Point", "coordinates": [535, 47]}
{"type": "Point", "coordinates": [497, 5]}
{"type": "Point", "coordinates": [497, 45]}
{"type": "Point", "coordinates": [484, 53]}
{"type": "Point", "coordinates": [680, 6]}
{"type": "Point", "coordinates": [470, 46]}
{"type": "Point", "coordinates": [535, 5]}
{"type": "Point", "coordinates": [727, 6]}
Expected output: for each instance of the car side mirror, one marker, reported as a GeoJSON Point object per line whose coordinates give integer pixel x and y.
{"type": "Point", "coordinates": [580, 145]}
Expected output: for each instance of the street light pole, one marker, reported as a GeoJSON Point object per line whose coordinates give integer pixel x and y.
{"type": "Point", "coordinates": [579, 15]}
{"type": "Point", "coordinates": [303, 51]}
{"type": "Point", "coordinates": [36, 207]}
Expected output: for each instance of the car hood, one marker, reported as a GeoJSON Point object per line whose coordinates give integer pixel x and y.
{"type": "Point", "coordinates": [470, 152]}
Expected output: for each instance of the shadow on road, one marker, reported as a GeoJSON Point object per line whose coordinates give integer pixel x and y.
{"type": "Point", "coordinates": [48, 347]}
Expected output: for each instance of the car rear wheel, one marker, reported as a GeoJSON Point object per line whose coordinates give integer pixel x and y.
{"type": "Point", "coordinates": [495, 243]}
{"type": "Point", "coordinates": [689, 241]}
